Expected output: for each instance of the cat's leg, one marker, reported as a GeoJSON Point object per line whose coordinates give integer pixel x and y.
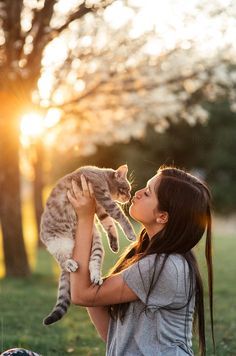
{"type": "Point", "coordinates": [109, 226]}
{"type": "Point", "coordinates": [104, 199]}
{"type": "Point", "coordinates": [96, 258]}
{"type": "Point", "coordinates": [61, 248]}
{"type": "Point", "coordinates": [124, 222]}
{"type": "Point", "coordinates": [71, 265]}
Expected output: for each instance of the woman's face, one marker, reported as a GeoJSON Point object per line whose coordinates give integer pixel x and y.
{"type": "Point", "coordinates": [144, 207]}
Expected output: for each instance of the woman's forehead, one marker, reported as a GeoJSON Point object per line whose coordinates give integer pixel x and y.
{"type": "Point", "coordinates": [154, 180]}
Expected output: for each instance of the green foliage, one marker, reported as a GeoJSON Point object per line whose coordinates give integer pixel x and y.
{"type": "Point", "coordinates": [24, 303]}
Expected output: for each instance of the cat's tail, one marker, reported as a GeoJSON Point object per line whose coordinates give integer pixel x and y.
{"type": "Point", "coordinates": [63, 300]}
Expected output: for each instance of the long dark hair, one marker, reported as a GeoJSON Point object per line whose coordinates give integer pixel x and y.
{"type": "Point", "coordinates": [187, 201]}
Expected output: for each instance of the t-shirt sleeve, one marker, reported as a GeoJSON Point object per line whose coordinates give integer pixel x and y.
{"type": "Point", "coordinates": [144, 273]}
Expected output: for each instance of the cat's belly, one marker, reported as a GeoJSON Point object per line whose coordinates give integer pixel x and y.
{"type": "Point", "coordinates": [61, 248]}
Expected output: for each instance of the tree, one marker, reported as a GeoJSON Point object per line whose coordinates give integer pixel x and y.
{"type": "Point", "coordinates": [10, 205]}
{"type": "Point", "coordinates": [38, 184]}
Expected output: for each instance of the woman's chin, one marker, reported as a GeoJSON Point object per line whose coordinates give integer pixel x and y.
{"type": "Point", "coordinates": [131, 210]}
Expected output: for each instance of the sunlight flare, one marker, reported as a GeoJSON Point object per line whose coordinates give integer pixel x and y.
{"type": "Point", "coordinates": [52, 117]}
{"type": "Point", "coordinates": [32, 125]}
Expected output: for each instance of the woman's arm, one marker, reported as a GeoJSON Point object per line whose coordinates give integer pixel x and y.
{"type": "Point", "coordinates": [100, 319]}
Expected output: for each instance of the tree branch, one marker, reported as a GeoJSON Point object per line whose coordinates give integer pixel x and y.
{"type": "Point", "coordinates": [81, 97]}
{"type": "Point", "coordinates": [17, 6]}
{"type": "Point", "coordinates": [42, 19]}
{"type": "Point", "coordinates": [82, 11]}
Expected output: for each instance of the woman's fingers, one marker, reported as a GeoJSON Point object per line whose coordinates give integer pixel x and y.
{"type": "Point", "coordinates": [84, 184]}
{"type": "Point", "coordinates": [77, 191]}
{"type": "Point", "coordinates": [90, 187]}
{"type": "Point", "coordinates": [72, 200]}
{"type": "Point", "coordinates": [87, 188]}
{"type": "Point", "coordinates": [82, 199]}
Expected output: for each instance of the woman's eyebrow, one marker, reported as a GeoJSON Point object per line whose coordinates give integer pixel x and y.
{"type": "Point", "coordinates": [148, 186]}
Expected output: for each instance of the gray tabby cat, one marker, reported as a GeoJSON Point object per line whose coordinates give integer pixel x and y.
{"type": "Point", "coordinates": [59, 220]}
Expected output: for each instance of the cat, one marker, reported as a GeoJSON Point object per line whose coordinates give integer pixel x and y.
{"type": "Point", "coordinates": [59, 220]}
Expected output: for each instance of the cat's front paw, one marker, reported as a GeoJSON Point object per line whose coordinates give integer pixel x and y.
{"type": "Point", "coordinates": [71, 265]}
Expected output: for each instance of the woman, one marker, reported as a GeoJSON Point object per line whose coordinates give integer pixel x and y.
{"type": "Point", "coordinates": [148, 303]}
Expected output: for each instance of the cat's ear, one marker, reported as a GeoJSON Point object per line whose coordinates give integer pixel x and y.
{"type": "Point", "coordinates": [121, 171]}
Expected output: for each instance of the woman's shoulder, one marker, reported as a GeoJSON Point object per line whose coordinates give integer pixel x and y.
{"type": "Point", "coordinates": [172, 266]}
{"type": "Point", "coordinates": [173, 258]}
{"type": "Point", "coordinates": [179, 261]}
{"type": "Point", "coordinates": [173, 262]}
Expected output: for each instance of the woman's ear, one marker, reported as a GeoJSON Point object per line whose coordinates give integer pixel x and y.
{"type": "Point", "coordinates": [162, 217]}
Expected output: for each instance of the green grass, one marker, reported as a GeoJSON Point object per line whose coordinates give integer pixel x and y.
{"type": "Point", "coordinates": [25, 302]}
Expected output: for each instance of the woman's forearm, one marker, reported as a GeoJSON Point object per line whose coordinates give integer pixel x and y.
{"type": "Point", "coordinates": [80, 280]}
{"type": "Point", "coordinates": [100, 319]}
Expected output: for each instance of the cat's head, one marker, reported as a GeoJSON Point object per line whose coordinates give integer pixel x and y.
{"type": "Point", "coordinates": [119, 185]}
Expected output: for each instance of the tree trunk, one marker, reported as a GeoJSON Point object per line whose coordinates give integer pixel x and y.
{"type": "Point", "coordinates": [38, 187]}
{"type": "Point", "coordinates": [15, 257]}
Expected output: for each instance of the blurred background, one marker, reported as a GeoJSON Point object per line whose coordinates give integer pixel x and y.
{"type": "Point", "coordinates": [103, 82]}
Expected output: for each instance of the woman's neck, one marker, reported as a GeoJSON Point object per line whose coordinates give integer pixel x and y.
{"type": "Point", "coordinates": [153, 230]}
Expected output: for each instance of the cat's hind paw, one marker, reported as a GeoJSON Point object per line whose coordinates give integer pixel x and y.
{"type": "Point", "coordinates": [71, 265]}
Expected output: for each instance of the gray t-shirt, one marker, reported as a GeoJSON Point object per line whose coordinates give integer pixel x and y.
{"type": "Point", "coordinates": [158, 331]}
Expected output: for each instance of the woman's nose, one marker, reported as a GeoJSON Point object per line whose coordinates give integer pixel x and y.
{"type": "Point", "coordinates": [138, 194]}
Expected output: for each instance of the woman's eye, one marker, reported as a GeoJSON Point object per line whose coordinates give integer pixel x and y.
{"type": "Point", "coordinates": [145, 193]}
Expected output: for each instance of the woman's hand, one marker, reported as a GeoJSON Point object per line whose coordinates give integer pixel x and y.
{"type": "Point", "coordinates": [83, 202]}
